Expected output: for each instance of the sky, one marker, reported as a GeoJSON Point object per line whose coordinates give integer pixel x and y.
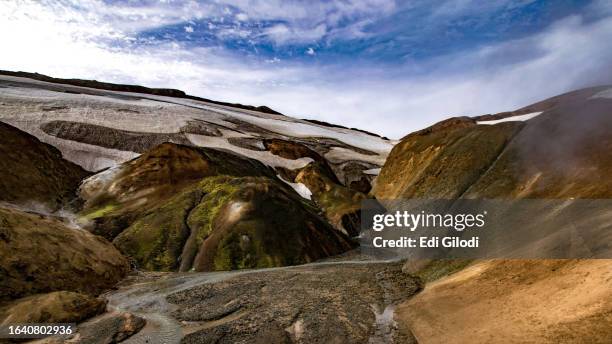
{"type": "Point", "coordinates": [390, 67]}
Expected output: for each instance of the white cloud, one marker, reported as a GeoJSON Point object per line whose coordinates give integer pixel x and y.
{"type": "Point", "coordinates": [310, 51]}
{"type": "Point", "coordinates": [242, 17]}
{"type": "Point", "coordinates": [72, 41]}
{"type": "Point", "coordinates": [188, 29]}
{"type": "Point", "coordinates": [283, 34]}
{"type": "Point", "coordinates": [569, 55]}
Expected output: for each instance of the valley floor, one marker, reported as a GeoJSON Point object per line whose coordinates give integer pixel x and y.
{"type": "Point", "coordinates": [352, 300]}
{"type": "Point", "coordinates": [328, 302]}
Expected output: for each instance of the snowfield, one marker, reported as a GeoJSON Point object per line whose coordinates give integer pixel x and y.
{"type": "Point", "coordinates": [519, 118]}
{"type": "Point", "coordinates": [29, 104]}
{"type": "Point", "coordinates": [603, 94]}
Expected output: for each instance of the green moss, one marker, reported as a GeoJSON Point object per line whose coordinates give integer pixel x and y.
{"type": "Point", "coordinates": [155, 241]}
{"type": "Point", "coordinates": [102, 211]}
{"type": "Point", "coordinates": [246, 248]}
{"type": "Point", "coordinates": [201, 229]}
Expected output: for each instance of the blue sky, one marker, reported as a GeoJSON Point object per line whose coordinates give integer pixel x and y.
{"type": "Point", "coordinates": [386, 66]}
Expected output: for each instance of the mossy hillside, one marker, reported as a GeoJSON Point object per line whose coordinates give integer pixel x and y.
{"type": "Point", "coordinates": [162, 238]}
{"type": "Point", "coordinates": [169, 167]}
{"type": "Point", "coordinates": [561, 153]}
{"type": "Point", "coordinates": [225, 223]}
{"type": "Point", "coordinates": [102, 211]}
{"type": "Point", "coordinates": [266, 224]}
{"type": "Point", "coordinates": [155, 241]}
{"type": "Point", "coordinates": [217, 192]}
{"type": "Point", "coordinates": [153, 178]}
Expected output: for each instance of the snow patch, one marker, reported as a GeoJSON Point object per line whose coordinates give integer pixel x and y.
{"type": "Point", "coordinates": [264, 157]}
{"type": "Point", "coordinates": [603, 94]}
{"type": "Point", "coordinates": [519, 118]}
{"type": "Point", "coordinates": [340, 154]}
{"type": "Point", "coordinates": [300, 188]}
{"type": "Point", "coordinates": [291, 126]}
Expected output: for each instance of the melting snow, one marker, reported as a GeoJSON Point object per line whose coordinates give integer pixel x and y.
{"type": "Point", "coordinates": [373, 171]}
{"type": "Point", "coordinates": [291, 126]}
{"type": "Point", "coordinates": [340, 154]}
{"type": "Point", "coordinates": [300, 188]}
{"type": "Point", "coordinates": [160, 114]}
{"type": "Point", "coordinates": [518, 118]}
{"type": "Point", "coordinates": [603, 94]}
{"type": "Point", "coordinates": [264, 157]}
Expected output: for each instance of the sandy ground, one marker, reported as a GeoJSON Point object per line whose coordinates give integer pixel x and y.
{"type": "Point", "coordinates": [520, 301]}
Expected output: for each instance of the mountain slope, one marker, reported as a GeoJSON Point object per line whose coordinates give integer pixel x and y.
{"type": "Point", "coordinates": [100, 128]}
{"type": "Point", "coordinates": [130, 88]}
{"type": "Point", "coordinates": [191, 208]}
{"type": "Point", "coordinates": [34, 173]}
{"type": "Point", "coordinates": [559, 148]}
{"type": "Point", "coordinates": [50, 270]}
{"type": "Point", "coordinates": [42, 254]}
{"type": "Point", "coordinates": [561, 151]}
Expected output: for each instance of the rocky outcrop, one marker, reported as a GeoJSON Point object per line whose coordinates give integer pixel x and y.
{"type": "Point", "coordinates": [340, 204]}
{"type": "Point", "coordinates": [109, 137]}
{"type": "Point", "coordinates": [108, 328]}
{"type": "Point", "coordinates": [41, 254]}
{"type": "Point", "coordinates": [291, 150]}
{"type": "Point", "coordinates": [33, 173]}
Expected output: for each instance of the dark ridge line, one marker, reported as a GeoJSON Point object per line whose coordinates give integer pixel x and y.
{"type": "Point", "coordinates": [331, 125]}
{"type": "Point", "coordinates": [168, 92]}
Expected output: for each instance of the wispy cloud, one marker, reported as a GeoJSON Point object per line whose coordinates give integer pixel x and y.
{"type": "Point", "coordinates": [404, 64]}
